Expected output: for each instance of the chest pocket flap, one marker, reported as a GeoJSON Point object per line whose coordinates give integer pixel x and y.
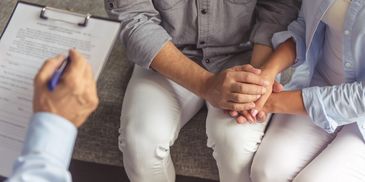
{"type": "Point", "coordinates": [166, 4]}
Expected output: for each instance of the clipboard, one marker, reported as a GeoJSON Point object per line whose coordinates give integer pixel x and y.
{"type": "Point", "coordinates": [45, 17]}
{"type": "Point", "coordinates": [43, 14]}
{"type": "Point", "coordinates": [34, 33]}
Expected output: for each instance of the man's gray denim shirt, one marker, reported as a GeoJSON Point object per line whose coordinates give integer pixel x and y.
{"type": "Point", "coordinates": [210, 32]}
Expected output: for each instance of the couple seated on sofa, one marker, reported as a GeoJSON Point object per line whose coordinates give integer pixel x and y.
{"type": "Point", "coordinates": [191, 53]}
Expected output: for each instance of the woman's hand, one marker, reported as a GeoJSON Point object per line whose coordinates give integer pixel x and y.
{"type": "Point", "coordinates": [288, 102]}
{"type": "Point", "coordinates": [245, 116]}
{"type": "Point", "coordinates": [269, 75]}
{"type": "Point", "coordinates": [269, 106]}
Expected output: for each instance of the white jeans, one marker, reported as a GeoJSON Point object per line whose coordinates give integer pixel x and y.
{"type": "Point", "coordinates": [154, 111]}
{"type": "Point", "coordinates": [294, 149]}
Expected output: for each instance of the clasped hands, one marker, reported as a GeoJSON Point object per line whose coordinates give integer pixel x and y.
{"type": "Point", "coordinates": [242, 92]}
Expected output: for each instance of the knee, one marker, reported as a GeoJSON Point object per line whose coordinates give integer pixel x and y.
{"type": "Point", "coordinates": [235, 141]}
{"type": "Point", "coordinates": [143, 142]}
{"type": "Point", "coordinates": [142, 153]}
{"type": "Point", "coordinates": [233, 150]}
{"type": "Point", "coordinates": [272, 166]}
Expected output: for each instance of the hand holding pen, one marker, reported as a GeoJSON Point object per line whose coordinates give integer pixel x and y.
{"type": "Point", "coordinates": [66, 87]}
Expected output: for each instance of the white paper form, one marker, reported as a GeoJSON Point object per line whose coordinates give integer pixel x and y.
{"type": "Point", "coordinates": [25, 44]}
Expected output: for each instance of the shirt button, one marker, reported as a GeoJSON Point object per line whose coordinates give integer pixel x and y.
{"type": "Point", "coordinates": [207, 61]}
{"type": "Point", "coordinates": [347, 32]}
{"type": "Point", "coordinates": [348, 65]}
{"type": "Point", "coordinates": [202, 42]}
{"type": "Point", "coordinates": [204, 11]}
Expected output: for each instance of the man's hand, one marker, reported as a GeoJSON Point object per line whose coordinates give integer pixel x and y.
{"type": "Point", "coordinates": [260, 54]}
{"type": "Point", "coordinates": [236, 88]}
{"type": "Point", "coordinates": [75, 97]}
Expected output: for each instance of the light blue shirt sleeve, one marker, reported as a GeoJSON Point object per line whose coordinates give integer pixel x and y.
{"type": "Point", "coordinates": [47, 150]}
{"type": "Point", "coordinates": [296, 30]}
{"type": "Point", "coordinates": [333, 106]}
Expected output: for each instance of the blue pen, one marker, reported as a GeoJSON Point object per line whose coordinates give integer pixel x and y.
{"type": "Point", "coordinates": [58, 74]}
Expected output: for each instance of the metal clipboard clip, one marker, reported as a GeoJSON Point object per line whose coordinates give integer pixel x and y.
{"type": "Point", "coordinates": [81, 24]}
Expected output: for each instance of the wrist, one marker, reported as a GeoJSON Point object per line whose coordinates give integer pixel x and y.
{"type": "Point", "coordinates": [288, 102]}
{"type": "Point", "coordinates": [269, 74]}
{"type": "Point", "coordinates": [269, 106]}
{"type": "Point", "coordinates": [203, 85]}
{"type": "Point", "coordinates": [272, 66]}
{"type": "Point", "coordinates": [260, 55]}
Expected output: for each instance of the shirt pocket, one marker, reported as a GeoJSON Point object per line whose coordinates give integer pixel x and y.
{"type": "Point", "coordinates": [167, 4]}
{"type": "Point", "coordinates": [239, 1]}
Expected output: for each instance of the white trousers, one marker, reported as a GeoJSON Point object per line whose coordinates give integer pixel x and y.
{"type": "Point", "coordinates": [294, 149]}
{"type": "Point", "coordinates": [154, 111]}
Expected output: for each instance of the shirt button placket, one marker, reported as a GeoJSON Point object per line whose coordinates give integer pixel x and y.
{"type": "Point", "coordinates": [203, 28]}
{"type": "Point", "coordinates": [203, 22]}
{"type": "Point", "coordinates": [204, 11]}
{"type": "Point", "coordinates": [112, 4]}
{"type": "Point", "coordinates": [348, 62]}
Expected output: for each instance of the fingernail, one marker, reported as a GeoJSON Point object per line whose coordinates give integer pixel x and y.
{"type": "Point", "coordinates": [266, 83]}
{"type": "Point", "coordinates": [258, 96]}
{"type": "Point", "coordinates": [254, 112]}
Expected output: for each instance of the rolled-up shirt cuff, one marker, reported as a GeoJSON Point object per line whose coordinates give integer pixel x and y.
{"type": "Point", "coordinates": [145, 43]}
{"type": "Point", "coordinates": [316, 109]}
{"type": "Point", "coordinates": [263, 32]}
{"type": "Point", "coordinates": [281, 37]}
{"type": "Point", "coordinates": [52, 135]}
